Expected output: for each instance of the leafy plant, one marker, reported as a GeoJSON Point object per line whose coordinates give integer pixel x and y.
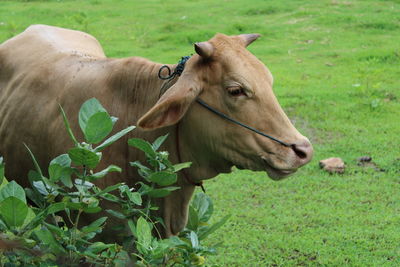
{"type": "Point", "coordinates": [42, 237]}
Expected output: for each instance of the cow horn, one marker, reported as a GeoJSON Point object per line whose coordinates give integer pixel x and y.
{"type": "Point", "coordinates": [204, 49]}
{"type": "Point", "coordinates": [249, 38]}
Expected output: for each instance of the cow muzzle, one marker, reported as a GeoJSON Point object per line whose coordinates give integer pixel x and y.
{"type": "Point", "coordinates": [293, 157]}
{"type": "Point", "coordinates": [303, 152]}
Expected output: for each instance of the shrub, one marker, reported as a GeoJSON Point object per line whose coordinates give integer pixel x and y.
{"type": "Point", "coordinates": [39, 236]}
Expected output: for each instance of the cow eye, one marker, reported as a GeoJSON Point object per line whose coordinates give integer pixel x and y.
{"type": "Point", "coordinates": [236, 91]}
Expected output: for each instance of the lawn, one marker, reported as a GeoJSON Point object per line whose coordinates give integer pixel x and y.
{"type": "Point", "coordinates": [336, 66]}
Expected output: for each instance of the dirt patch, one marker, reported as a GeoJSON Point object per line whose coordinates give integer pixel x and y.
{"type": "Point", "coordinates": [306, 129]}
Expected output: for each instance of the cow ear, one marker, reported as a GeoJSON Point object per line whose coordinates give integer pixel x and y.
{"type": "Point", "coordinates": [171, 107]}
{"type": "Point", "coordinates": [249, 38]}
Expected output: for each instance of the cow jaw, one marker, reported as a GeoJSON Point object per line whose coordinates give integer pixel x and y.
{"type": "Point", "coordinates": [274, 173]}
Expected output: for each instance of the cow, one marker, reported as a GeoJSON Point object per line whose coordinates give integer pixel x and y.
{"type": "Point", "coordinates": [45, 66]}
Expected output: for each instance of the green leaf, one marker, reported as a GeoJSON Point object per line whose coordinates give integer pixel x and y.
{"type": "Point", "coordinates": [132, 227]}
{"type": "Point", "coordinates": [1, 170]}
{"type": "Point", "coordinates": [194, 240]}
{"type": "Point", "coordinates": [38, 219]}
{"type": "Point", "coordinates": [143, 231]}
{"type": "Point", "coordinates": [12, 189]}
{"type": "Point", "coordinates": [54, 229]}
{"type": "Point", "coordinates": [74, 206]}
{"type": "Point", "coordinates": [123, 259]}
{"type": "Point", "coordinates": [40, 187]}
{"type": "Point", "coordinates": [175, 241]}
{"type": "Point", "coordinates": [163, 178]}
{"type": "Point", "coordinates": [52, 187]}
{"type": "Point", "coordinates": [35, 197]}
{"type": "Point", "coordinates": [159, 141]}
{"type": "Point", "coordinates": [59, 169]}
{"type": "Point", "coordinates": [98, 247]}
{"type": "Point", "coordinates": [3, 226]}
{"type": "Point", "coordinates": [84, 157]}
{"type": "Point", "coordinates": [203, 205]}
{"type": "Point", "coordinates": [91, 201]}
{"type": "Point", "coordinates": [13, 211]}
{"type": "Point", "coordinates": [108, 189]}
{"type": "Point", "coordinates": [56, 207]}
{"type": "Point", "coordinates": [62, 160]}
{"type": "Point", "coordinates": [94, 226]}
{"type": "Point", "coordinates": [180, 166]}
{"type": "Point", "coordinates": [117, 214]}
{"type": "Point", "coordinates": [213, 228]}
{"type": "Point", "coordinates": [66, 177]}
{"type": "Point", "coordinates": [193, 220]}
{"type": "Point", "coordinates": [135, 197]}
{"type": "Point", "coordinates": [111, 198]}
{"type": "Point", "coordinates": [142, 145]}
{"type": "Point", "coordinates": [66, 123]}
{"type": "Point", "coordinates": [114, 138]}
{"type": "Point", "coordinates": [98, 127]}
{"type": "Point", "coordinates": [81, 183]}
{"type": "Point", "coordinates": [142, 170]}
{"type": "Point", "coordinates": [34, 161]}
{"type": "Point", "coordinates": [161, 192]}
{"type": "Point", "coordinates": [34, 176]}
{"type": "Point", "coordinates": [101, 174]}
{"type": "Point", "coordinates": [139, 165]}
{"type": "Point", "coordinates": [48, 240]}
{"type": "Point", "coordinates": [160, 248]}
{"type": "Point", "coordinates": [3, 183]}
{"type": "Point", "coordinates": [29, 217]}
{"type": "Point", "coordinates": [87, 110]}
{"type": "Point", "coordinates": [92, 209]}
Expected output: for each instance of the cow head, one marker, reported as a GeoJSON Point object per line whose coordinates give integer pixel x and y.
{"type": "Point", "coordinates": [226, 76]}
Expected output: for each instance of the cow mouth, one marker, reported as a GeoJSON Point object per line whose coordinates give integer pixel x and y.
{"type": "Point", "coordinates": [275, 173]}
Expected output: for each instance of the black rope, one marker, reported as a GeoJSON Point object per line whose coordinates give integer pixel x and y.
{"type": "Point", "coordinates": [226, 117]}
{"type": "Point", "coordinates": [178, 69]}
{"type": "Point", "coordinates": [177, 72]}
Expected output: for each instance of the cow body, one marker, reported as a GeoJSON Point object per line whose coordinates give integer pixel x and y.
{"type": "Point", "coordinates": [46, 66]}
{"type": "Point", "coordinates": [40, 69]}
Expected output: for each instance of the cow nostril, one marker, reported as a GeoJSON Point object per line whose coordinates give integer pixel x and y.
{"type": "Point", "coordinates": [300, 151]}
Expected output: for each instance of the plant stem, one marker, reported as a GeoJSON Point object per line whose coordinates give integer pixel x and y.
{"type": "Point", "coordinates": [148, 204]}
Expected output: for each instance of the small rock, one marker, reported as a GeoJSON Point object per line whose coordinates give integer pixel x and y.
{"type": "Point", "coordinates": [332, 165]}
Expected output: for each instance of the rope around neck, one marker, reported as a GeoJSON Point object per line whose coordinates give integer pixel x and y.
{"type": "Point", "coordinates": [177, 71]}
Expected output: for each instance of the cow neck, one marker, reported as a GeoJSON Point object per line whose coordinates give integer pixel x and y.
{"type": "Point", "coordinates": [178, 153]}
{"type": "Point", "coordinates": [171, 79]}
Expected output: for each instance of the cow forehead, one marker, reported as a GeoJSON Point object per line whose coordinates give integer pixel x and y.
{"type": "Point", "coordinates": [232, 61]}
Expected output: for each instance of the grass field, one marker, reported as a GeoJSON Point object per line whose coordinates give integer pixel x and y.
{"type": "Point", "coordinates": [336, 66]}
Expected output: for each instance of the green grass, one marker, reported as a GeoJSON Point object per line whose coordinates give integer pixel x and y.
{"type": "Point", "coordinates": [336, 66]}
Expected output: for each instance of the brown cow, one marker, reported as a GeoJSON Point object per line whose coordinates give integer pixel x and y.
{"type": "Point", "coordinates": [45, 65]}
